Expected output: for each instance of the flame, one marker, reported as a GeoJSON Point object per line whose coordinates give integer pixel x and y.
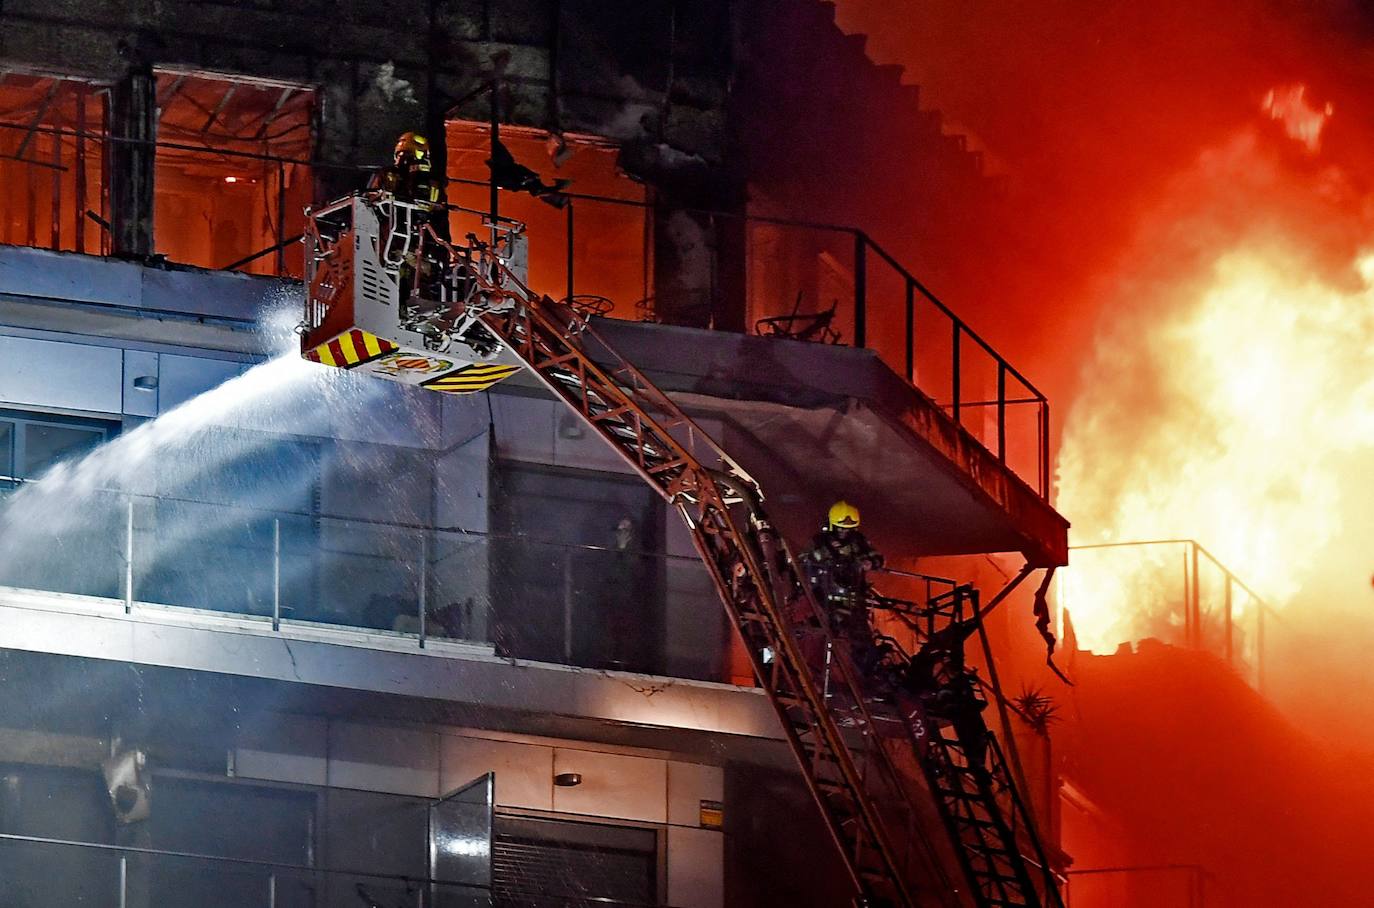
{"type": "Point", "coordinates": [1303, 122]}
{"type": "Point", "coordinates": [1230, 399]}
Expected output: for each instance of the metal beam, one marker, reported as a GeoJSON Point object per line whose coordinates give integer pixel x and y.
{"type": "Point", "coordinates": [219, 108]}
{"type": "Point", "coordinates": [38, 118]}
{"type": "Point", "coordinates": [275, 112]}
{"type": "Point", "coordinates": [133, 133]}
{"type": "Point", "coordinates": [171, 91]}
{"type": "Point", "coordinates": [47, 164]}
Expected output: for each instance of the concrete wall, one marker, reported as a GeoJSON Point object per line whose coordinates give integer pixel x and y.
{"type": "Point", "coordinates": [618, 785]}
{"type": "Point", "coordinates": [360, 792]}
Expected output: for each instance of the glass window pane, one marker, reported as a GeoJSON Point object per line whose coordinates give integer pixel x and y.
{"type": "Point", "coordinates": [45, 445]}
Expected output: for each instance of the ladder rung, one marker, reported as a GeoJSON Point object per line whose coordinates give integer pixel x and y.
{"type": "Point", "coordinates": [820, 755]}
{"type": "Point", "coordinates": [833, 785]}
{"type": "Point", "coordinates": [959, 794]}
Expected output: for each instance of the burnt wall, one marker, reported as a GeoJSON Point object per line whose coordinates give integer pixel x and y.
{"type": "Point", "coordinates": [651, 74]}
{"type": "Point", "coordinates": [703, 97]}
{"type": "Point", "coordinates": [825, 135]}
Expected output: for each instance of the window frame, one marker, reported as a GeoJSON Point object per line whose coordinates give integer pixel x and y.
{"type": "Point", "coordinates": [20, 420]}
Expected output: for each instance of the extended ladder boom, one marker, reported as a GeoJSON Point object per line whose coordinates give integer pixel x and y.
{"type": "Point", "coordinates": [750, 565]}
{"type": "Point", "coordinates": [408, 306]}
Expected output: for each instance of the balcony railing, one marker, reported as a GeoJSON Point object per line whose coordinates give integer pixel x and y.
{"type": "Point", "coordinates": [1184, 595]}
{"type": "Point", "coordinates": [1157, 885]}
{"type": "Point", "coordinates": [827, 283]}
{"type": "Point", "coordinates": [578, 605]}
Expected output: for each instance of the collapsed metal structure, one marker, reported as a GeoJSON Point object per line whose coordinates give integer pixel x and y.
{"type": "Point", "coordinates": [387, 294]}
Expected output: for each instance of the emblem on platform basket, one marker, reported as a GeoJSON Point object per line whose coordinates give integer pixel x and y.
{"type": "Point", "coordinates": [410, 364]}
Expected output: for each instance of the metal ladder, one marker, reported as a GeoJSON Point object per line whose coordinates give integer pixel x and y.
{"type": "Point", "coordinates": [849, 771]}
{"type": "Point", "coordinates": [985, 831]}
{"type": "Point", "coordinates": [989, 825]}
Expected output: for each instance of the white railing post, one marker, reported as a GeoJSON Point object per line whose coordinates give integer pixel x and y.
{"type": "Point", "coordinates": [129, 557]}
{"type": "Point", "coordinates": [424, 582]}
{"type": "Point", "coordinates": [276, 576]}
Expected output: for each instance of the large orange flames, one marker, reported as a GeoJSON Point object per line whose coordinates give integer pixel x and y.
{"type": "Point", "coordinates": [1230, 396]}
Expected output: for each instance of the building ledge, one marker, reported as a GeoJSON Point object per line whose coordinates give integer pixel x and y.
{"type": "Point", "coordinates": [335, 657]}
{"type": "Point", "coordinates": [818, 422]}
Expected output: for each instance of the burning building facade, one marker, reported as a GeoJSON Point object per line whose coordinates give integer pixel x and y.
{"type": "Point", "coordinates": [274, 630]}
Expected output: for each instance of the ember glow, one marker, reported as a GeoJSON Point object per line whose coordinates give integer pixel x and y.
{"type": "Point", "coordinates": [1230, 398]}
{"type": "Point", "coordinates": [1303, 122]}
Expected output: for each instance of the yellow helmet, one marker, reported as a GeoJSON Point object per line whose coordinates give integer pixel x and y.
{"type": "Point", "coordinates": [844, 515]}
{"type": "Point", "coordinates": [413, 148]}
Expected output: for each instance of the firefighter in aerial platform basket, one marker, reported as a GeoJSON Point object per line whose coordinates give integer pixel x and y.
{"type": "Point", "coordinates": [410, 176]}
{"type": "Point", "coordinates": [408, 194]}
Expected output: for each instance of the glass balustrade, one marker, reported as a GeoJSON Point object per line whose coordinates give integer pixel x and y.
{"type": "Point", "coordinates": [584, 606]}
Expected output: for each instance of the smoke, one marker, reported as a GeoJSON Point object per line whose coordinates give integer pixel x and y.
{"type": "Point", "coordinates": [1091, 113]}
{"type": "Point", "coordinates": [1185, 263]}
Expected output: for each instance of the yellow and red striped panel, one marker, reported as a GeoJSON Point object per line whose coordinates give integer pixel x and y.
{"type": "Point", "coordinates": [349, 349]}
{"type": "Point", "coordinates": [476, 377]}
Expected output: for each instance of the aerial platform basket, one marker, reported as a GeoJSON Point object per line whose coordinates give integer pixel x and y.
{"type": "Point", "coordinates": [387, 295]}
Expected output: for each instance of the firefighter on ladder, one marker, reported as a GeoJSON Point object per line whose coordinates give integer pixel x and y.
{"type": "Point", "coordinates": [839, 557]}
{"type": "Point", "coordinates": [835, 566]}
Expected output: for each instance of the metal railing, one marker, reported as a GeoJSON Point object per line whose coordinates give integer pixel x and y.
{"type": "Point", "coordinates": [794, 274]}
{"type": "Point", "coordinates": [980, 380]}
{"type": "Point", "coordinates": [274, 166]}
{"type": "Point", "coordinates": [1207, 606]}
{"type": "Point", "coordinates": [805, 280]}
{"type": "Point", "coordinates": [416, 585]}
{"type": "Point", "coordinates": [122, 875]}
{"type": "Point", "coordinates": [1185, 883]}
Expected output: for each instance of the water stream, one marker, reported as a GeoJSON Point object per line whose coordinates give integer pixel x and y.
{"type": "Point", "coordinates": [199, 476]}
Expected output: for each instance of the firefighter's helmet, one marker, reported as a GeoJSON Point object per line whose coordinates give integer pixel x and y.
{"type": "Point", "coordinates": [844, 516]}
{"type": "Point", "coordinates": [412, 149]}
